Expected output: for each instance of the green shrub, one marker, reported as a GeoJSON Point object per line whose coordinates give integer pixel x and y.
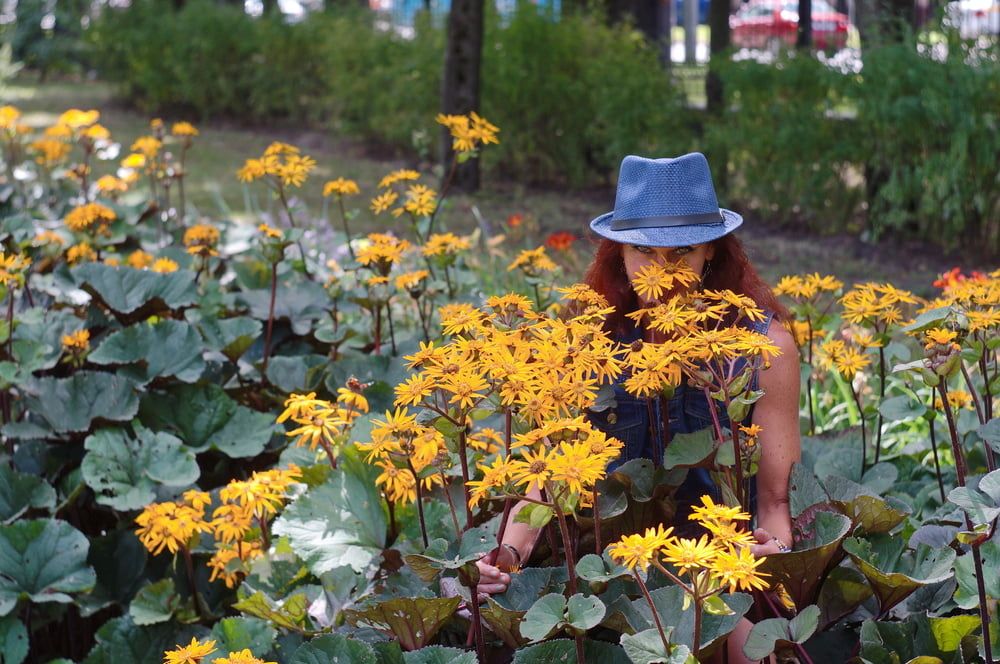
{"type": "Point", "coordinates": [928, 133]}
{"type": "Point", "coordinates": [788, 142]}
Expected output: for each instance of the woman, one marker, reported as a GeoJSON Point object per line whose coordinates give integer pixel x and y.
{"type": "Point", "coordinates": [666, 210]}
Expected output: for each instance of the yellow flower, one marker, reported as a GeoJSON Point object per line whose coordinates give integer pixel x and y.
{"type": "Point", "coordinates": [164, 266]}
{"type": "Point", "coordinates": [653, 280]}
{"type": "Point", "coordinates": [170, 526]}
{"type": "Point", "coordinates": [690, 554]}
{"type": "Point", "coordinates": [850, 362]}
{"type": "Point", "coordinates": [398, 176]}
{"type": "Point", "coordinates": [139, 259]}
{"type": "Point", "coordinates": [383, 201]}
{"type": "Point", "coordinates": [533, 262]}
{"type": "Point", "coordinates": [148, 146]}
{"type": "Point", "coordinates": [956, 399]}
{"type": "Point", "coordinates": [9, 116]}
{"type": "Point", "coordinates": [201, 239]}
{"type": "Point", "coordinates": [939, 337]}
{"type": "Point", "coordinates": [76, 119]}
{"type": "Point", "coordinates": [231, 521]}
{"type": "Point", "coordinates": [12, 268]}
{"type": "Point", "coordinates": [242, 657]}
{"type": "Point", "coordinates": [710, 512]}
{"type": "Point", "coordinates": [253, 169]}
{"type": "Point", "coordinates": [96, 133]}
{"type": "Point", "coordinates": [192, 653]}
{"type": "Point", "coordinates": [577, 467]}
{"type": "Point", "coordinates": [134, 161]}
{"type": "Point", "coordinates": [637, 551]}
{"type": "Point", "coordinates": [82, 217]}
{"type": "Point", "coordinates": [534, 469]}
{"type": "Point", "coordinates": [48, 237]}
{"type": "Point", "coordinates": [80, 253]}
{"type": "Point", "coordinates": [264, 492]}
{"type": "Point", "coordinates": [183, 129]}
{"type": "Point", "coordinates": [109, 184]}
{"type": "Point", "coordinates": [410, 281]}
{"type": "Point", "coordinates": [421, 201]}
{"type": "Point", "coordinates": [76, 342]}
{"type": "Point", "coordinates": [60, 131]}
{"type": "Point", "coordinates": [272, 233]}
{"type": "Point", "coordinates": [341, 187]}
{"type": "Point", "coordinates": [50, 151]}
{"type": "Point", "coordinates": [738, 570]}
{"type": "Point", "coordinates": [440, 244]}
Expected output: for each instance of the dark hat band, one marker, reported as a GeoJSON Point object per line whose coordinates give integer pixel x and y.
{"type": "Point", "coordinates": [668, 220]}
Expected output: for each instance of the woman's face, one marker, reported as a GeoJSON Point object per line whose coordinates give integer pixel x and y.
{"type": "Point", "coordinates": [636, 257]}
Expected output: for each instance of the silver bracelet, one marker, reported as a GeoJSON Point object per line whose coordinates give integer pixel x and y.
{"type": "Point", "coordinates": [782, 547]}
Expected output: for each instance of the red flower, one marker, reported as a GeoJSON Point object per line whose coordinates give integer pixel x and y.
{"type": "Point", "coordinates": [515, 220]}
{"type": "Point", "coordinates": [560, 241]}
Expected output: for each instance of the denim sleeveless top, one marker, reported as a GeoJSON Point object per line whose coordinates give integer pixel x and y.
{"type": "Point", "coordinates": [628, 421]}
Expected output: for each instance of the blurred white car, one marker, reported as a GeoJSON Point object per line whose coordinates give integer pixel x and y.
{"type": "Point", "coordinates": [973, 18]}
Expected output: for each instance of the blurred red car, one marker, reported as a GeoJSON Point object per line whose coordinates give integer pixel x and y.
{"type": "Point", "coordinates": [773, 24]}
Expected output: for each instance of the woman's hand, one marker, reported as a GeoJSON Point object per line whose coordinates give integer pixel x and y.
{"type": "Point", "coordinates": [767, 544]}
{"type": "Point", "coordinates": [491, 580]}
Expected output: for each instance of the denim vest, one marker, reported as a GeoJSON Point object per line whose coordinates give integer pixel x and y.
{"type": "Point", "coordinates": [628, 421]}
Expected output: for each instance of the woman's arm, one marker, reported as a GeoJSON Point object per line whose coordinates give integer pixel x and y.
{"type": "Point", "coordinates": [777, 414]}
{"type": "Point", "coordinates": [521, 537]}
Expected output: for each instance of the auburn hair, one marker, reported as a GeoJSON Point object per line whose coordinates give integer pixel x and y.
{"type": "Point", "coordinates": [730, 269]}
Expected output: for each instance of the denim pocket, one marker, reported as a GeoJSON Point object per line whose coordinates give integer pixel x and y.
{"type": "Point", "coordinates": [627, 421]}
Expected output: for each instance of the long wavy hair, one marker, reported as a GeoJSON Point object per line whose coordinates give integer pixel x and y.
{"type": "Point", "coordinates": [731, 269]}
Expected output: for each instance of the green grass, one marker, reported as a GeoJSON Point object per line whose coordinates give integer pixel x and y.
{"type": "Point", "coordinates": [222, 148]}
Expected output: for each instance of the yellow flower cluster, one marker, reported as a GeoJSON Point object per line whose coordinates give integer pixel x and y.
{"type": "Point", "coordinates": [12, 268]}
{"type": "Point", "coordinates": [700, 329]}
{"type": "Point", "coordinates": [721, 558]}
{"type": "Point", "coordinates": [847, 358]}
{"type": "Point", "coordinates": [76, 342]}
{"type": "Point", "coordinates": [82, 217]}
{"type": "Point", "coordinates": [978, 298]}
{"type": "Point", "coordinates": [442, 244]}
{"type": "Point", "coordinates": [283, 163]}
{"type": "Point", "coordinates": [80, 253]}
{"type": "Point", "coordinates": [469, 131]}
{"type": "Point", "coordinates": [201, 240]}
{"type": "Point", "coordinates": [653, 280]}
{"type": "Point", "coordinates": [404, 450]}
{"type": "Point", "coordinates": [173, 525]}
{"type": "Point", "coordinates": [197, 650]}
{"type": "Point", "coordinates": [9, 116]}
{"type": "Point", "coordinates": [184, 129]}
{"type": "Point", "coordinates": [411, 281]}
{"type": "Point", "coordinates": [808, 286]}
{"type": "Point", "coordinates": [341, 187]}
{"type": "Point", "coordinates": [381, 251]}
{"type": "Point", "coordinates": [148, 146]}
{"type": "Point", "coordinates": [956, 399]}
{"type": "Point", "coordinates": [533, 262]}
{"type": "Point", "coordinates": [875, 305]}
{"type": "Point", "coordinates": [50, 151]}
{"type": "Point", "coordinates": [322, 422]}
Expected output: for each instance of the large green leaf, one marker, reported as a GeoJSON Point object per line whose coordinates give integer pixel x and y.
{"type": "Point", "coordinates": [689, 449]}
{"type": "Point", "coordinates": [414, 621]}
{"type": "Point", "coordinates": [301, 304]}
{"type": "Point", "coordinates": [204, 416]}
{"type": "Point", "coordinates": [870, 512]}
{"type": "Point", "coordinates": [165, 348]}
{"type": "Point", "coordinates": [669, 602]}
{"type": "Point", "coordinates": [769, 634]}
{"type": "Point", "coordinates": [647, 647]}
{"type": "Point", "coordinates": [45, 327]}
{"type": "Point", "coordinates": [529, 584]}
{"type": "Point", "coordinates": [155, 603]}
{"type": "Point", "coordinates": [439, 655]}
{"type": "Point", "coordinates": [440, 556]}
{"type": "Point", "coordinates": [844, 590]}
{"type": "Point", "coordinates": [919, 639]}
{"type": "Point", "coordinates": [124, 470]}
{"type": "Point", "coordinates": [120, 640]}
{"type": "Point", "coordinates": [895, 572]}
{"type": "Point", "coordinates": [20, 492]}
{"type": "Point", "coordinates": [236, 634]}
{"type": "Point", "coordinates": [42, 560]}
{"type": "Point", "coordinates": [504, 622]}
{"type": "Point", "coordinates": [804, 490]}
{"type": "Point", "coordinates": [229, 336]}
{"type": "Point", "coordinates": [544, 617]}
{"type": "Point", "coordinates": [564, 650]}
{"type": "Point", "coordinates": [291, 612]}
{"type": "Point", "coordinates": [126, 290]}
{"type": "Point", "coordinates": [967, 594]}
{"type": "Point", "coordinates": [334, 648]}
{"type": "Point", "coordinates": [339, 522]}
{"type": "Point", "coordinates": [72, 404]}
{"type": "Point", "coordinates": [297, 373]}
{"type": "Point", "coordinates": [13, 640]}
{"type": "Point", "coordinates": [982, 502]}
{"type": "Point", "coordinates": [802, 571]}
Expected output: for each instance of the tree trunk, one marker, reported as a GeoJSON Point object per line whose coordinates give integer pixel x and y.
{"type": "Point", "coordinates": [884, 21]}
{"type": "Point", "coordinates": [460, 89]}
{"type": "Point", "coordinates": [718, 21]}
{"type": "Point", "coordinates": [804, 39]}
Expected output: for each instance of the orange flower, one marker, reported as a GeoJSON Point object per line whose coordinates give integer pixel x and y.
{"type": "Point", "coordinates": [515, 220]}
{"type": "Point", "coordinates": [560, 241]}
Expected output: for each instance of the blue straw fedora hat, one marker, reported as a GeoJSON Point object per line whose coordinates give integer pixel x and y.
{"type": "Point", "coordinates": [665, 203]}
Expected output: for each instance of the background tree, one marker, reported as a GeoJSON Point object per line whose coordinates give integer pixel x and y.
{"type": "Point", "coordinates": [804, 38]}
{"type": "Point", "coordinates": [718, 21]}
{"type": "Point", "coordinates": [460, 87]}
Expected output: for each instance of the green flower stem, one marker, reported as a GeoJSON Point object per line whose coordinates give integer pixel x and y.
{"type": "Point", "coordinates": [270, 316]}
{"type": "Point", "coordinates": [937, 463]}
{"type": "Point", "coordinates": [451, 504]}
{"type": "Point", "coordinates": [420, 503]}
{"type": "Point", "coordinates": [980, 415]}
{"type": "Point", "coordinates": [977, 558]}
{"type": "Point", "coordinates": [652, 607]}
{"type": "Point", "coordinates": [881, 398]}
{"type": "Point", "coordinates": [861, 416]}
{"type": "Point", "coordinates": [347, 231]}
{"type": "Point", "coordinates": [198, 602]}
{"type": "Point", "coordinates": [462, 454]}
{"type": "Point", "coordinates": [392, 332]}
